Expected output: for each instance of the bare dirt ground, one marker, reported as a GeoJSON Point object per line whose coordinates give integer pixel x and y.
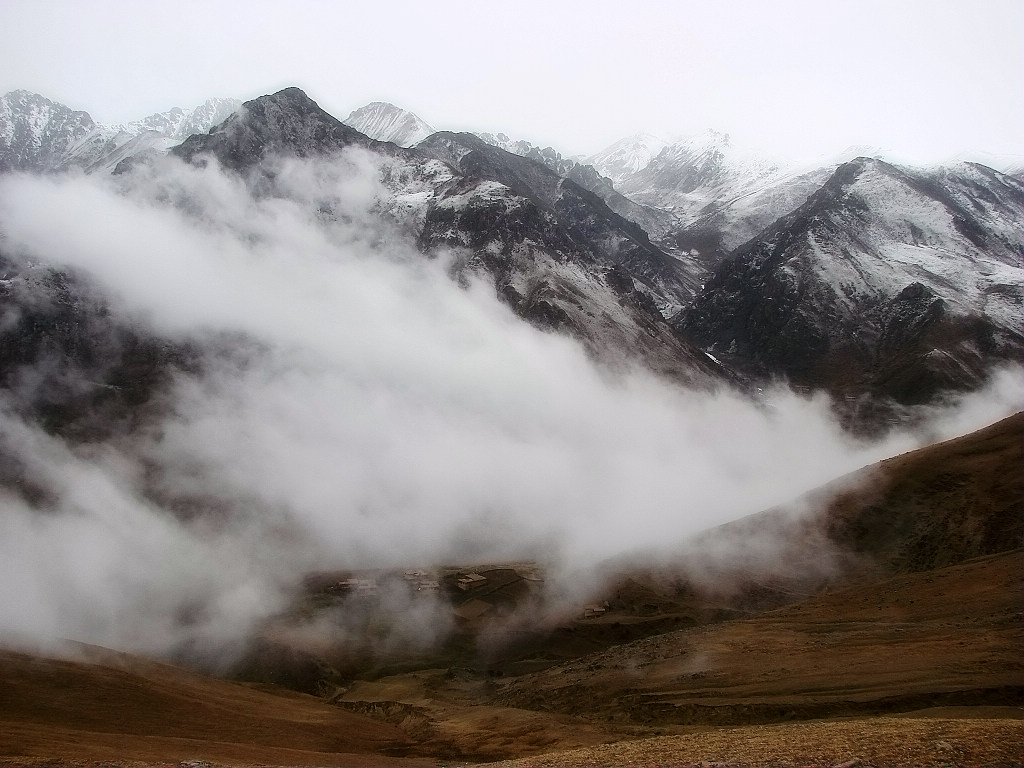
{"type": "Point", "coordinates": [930, 739]}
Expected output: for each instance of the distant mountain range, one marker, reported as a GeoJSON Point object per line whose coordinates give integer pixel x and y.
{"type": "Point", "coordinates": [708, 265]}
{"type": "Point", "coordinates": [37, 134]}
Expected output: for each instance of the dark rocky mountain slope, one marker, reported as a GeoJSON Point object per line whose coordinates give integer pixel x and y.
{"type": "Point", "coordinates": [555, 252]}
{"type": "Point", "coordinates": [887, 281]}
{"type": "Point", "coordinates": [887, 284]}
{"type": "Point", "coordinates": [288, 122]}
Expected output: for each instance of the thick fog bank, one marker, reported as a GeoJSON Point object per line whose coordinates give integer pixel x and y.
{"type": "Point", "coordinates": [373, 412]}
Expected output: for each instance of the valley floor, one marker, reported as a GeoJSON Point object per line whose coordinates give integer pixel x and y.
{"type": "Point", "coordinates": [919, 670]}
{"type": "Point", "coordinates": [901, 668]}
{"type": "Point", "coordinates": [955, 736]}
{"type": "Point", "coordinates": [982, 736]}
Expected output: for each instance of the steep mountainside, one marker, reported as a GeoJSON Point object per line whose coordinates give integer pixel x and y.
{"type": "Point", "coordinates": [107, 145]}
{"type": "Point", "coordinates": [547, 156]}
{"type": "Point", "coordinates": [899, 283]}
{"type": "Point", "coordinates": [690, 173]}
{"type": "Point", "coordinates": [654, 221]}
{"type": "Point", "coordinates": [734, 213]}
{"type": "Point", "coordinates": [67, 363]}
{"type": "Point", "coordinates": [930, 508]}
{"type": "Point", "coordinates": [36, 132]}
{"type": "Point", "coordinates": [556, 253]}
{"type": "Point", "coordinates": [626, 157]}
{"type": "Point", "coordinates": [609, 238]}
{"type": "Point", "coordinates": [887, 282]}
{"type": "Point", "coordinates": [719, 196]}
{"type": "Point", "coordinates": [386, 122]}
{"type": "Point", "coordinates": [289, 122]}
{"type": "Point", "coordinates": [878, 571]}
{"type": "Point", "coordinates": [553, 251]}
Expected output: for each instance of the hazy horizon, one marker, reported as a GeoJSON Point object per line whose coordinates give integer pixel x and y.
{"type": "Point", "coordinates": [923, 81]}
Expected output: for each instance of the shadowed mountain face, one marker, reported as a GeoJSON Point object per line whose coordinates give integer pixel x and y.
{"type": "Point", "coordinates": [289, 122]}
{"type": "Point", "coordinates": [894, 283]}
{"type": "Point", "coordinates": [654, 221]}
{"type": "Point", "coordinates": [68, 363]}
{"type": "Point", "coordinates": [599, 234]}
{"type": "Point", "coordinates": [555, 252]}
{"type": "Point", "coordinates": [930, 508]}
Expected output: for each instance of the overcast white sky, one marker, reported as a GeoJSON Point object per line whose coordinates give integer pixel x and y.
{"type": "Point", "coordinates": [924, 78]}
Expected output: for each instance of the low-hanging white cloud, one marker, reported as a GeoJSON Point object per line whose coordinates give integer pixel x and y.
{"type": "Point", "coordinates": [376, 413]}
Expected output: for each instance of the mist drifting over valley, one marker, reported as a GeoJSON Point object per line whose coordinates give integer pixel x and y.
{"type": "Point", "coordinates": [354, 403]}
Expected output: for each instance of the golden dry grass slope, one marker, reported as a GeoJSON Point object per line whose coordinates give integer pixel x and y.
{"type": "Point", "coordinates": [907, 653]}
{"type": "Point", "coordinates": [111, 707]}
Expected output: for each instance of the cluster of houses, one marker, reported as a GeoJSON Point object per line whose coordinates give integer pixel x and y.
{"type": "Point", "coordinates": [422, 581]}
{"type": "Point", "coordinates": [419, 581]}
{"type": "Point", "coordinates": [361, 587]}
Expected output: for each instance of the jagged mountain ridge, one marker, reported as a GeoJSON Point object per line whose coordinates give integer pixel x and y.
{"type": "Point", "coordinates": [897, 282]}
{"type": "Point", "coordinates": [556, 253]}
{"type": "Point", "coordinates": [627, 156]}
{"type": "Point", "coordinates": [37, 134]}
{"type": "Point", "coordinates": [483, 205]}
{"type": "Point", "coordinates": [563, 257]}
{"type": "Point", "coordinates": [613, 238]}
{"type": "Point", "coordinates": [654, 221]}
{"type": "Point", "coordinates": [178, 124]}
{"type": "Point", "coordinates": [719, 195]}
{"type": "Point", "coordinates": [289, 122]}
{"type": "Point", "coordinates": [107, 145]}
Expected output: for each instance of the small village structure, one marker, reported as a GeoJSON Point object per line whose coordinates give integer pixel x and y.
{"type": "Point", "coordinates": [471, 581]}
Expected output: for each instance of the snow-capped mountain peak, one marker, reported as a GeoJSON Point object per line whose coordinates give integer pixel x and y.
{"type": "Point", "coordinates": [385, 122]}
{"type": "Point", "coordinates": [904, 282]}
{"type": "Point", "coordinates": [626, 156]}
{"type": "Point", "coordinates": [177, 123]}
{"type": "Point", "coordinates": [35, 132]}
{"type": "Point", "coordinates": [42, 135]}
